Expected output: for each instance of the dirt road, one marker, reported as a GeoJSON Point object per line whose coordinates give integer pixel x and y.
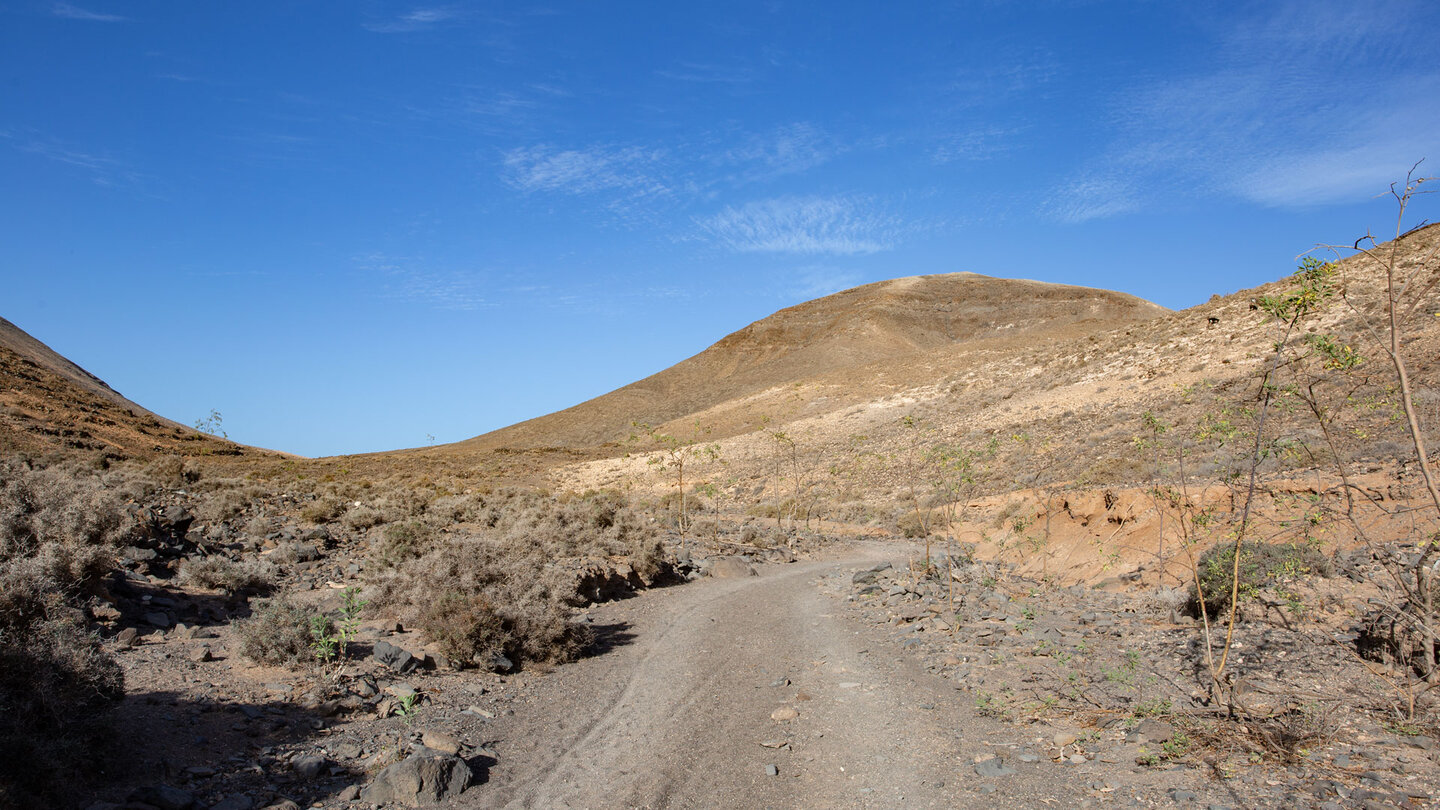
{"type": "Point", "coordinates": [680, 711]}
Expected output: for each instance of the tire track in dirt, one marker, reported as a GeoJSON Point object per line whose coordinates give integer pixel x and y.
{"type": "Point", "coordinates": [676, 718]}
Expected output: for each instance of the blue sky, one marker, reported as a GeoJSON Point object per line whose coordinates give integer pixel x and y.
{"type": "Point", "coordinates": [357, 225]}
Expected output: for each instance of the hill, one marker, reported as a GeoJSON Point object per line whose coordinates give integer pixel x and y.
{"type": "Point", "coordinates": [842, 336]}
{"type": "Point", "coordinates": [49, 406]}
{"type": "Point", "coordinates": [1065, 400]}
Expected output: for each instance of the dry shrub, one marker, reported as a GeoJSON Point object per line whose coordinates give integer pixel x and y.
{"type": "Point", "coordinates": [403, 503]}
{"type": "Point", "coordinates": [173, 472]}
{"type": "Point", "coordinates": [225, 504]}
{"type": "Point", "coordinates": [58, 532]}
{"type": "Point", "coordinates": [70, 525]}
{"type": "Point", "coordinates": [325, 509]}
{"type": "Point", "coordinates": [504, 588]}
{"type": "Point", "coordinates": [56, 689]}
{"type": "Point", "coordinates": [221, 573]}
{"type": "Point", "coordinates": [295, 552]}
{"type": "Point", "coordinates": [276, 634]}
{"type": "Point", "coordinates": [910, 524]}
{"type": "Point", "coordinates": [362, 517]}
{"type": "Point", "coordinates": [466, 628]}
{"type": "Point", "coordinates": [476, 597]}
{"type": "Point", "coordinates": [400, 542]}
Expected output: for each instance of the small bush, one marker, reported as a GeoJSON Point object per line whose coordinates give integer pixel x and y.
{"type": "Point", "coordinates": [466, 628]}
{"type": "Point", "coordinates": [1261, 564]}
{"type": "Point", "coordinates": [400, 542]}
{"type": "Point", "coordinates": [504, 588]}
{"type": "Point", "coordinates": [326, 509]}
{"type": "Point", "coordinates": [70, 525]}
{"type": "Point", "coordinates": [910, 524]}
{"type": "Point", "coordinates": [277, 634]}
{"type": "Point", "coordinates": [222, 573]}
{"type": "Point", "coordinates": [362, 517]}
{"type": "Point", "coordinates": [56, 689]}
{"type": "Point", "coordinates": [173, 472]}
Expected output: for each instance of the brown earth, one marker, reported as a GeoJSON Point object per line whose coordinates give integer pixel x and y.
{"type": "Point", "coordinates": [50, 406]}
{"type": "Point", "coordinates": [845, 336]}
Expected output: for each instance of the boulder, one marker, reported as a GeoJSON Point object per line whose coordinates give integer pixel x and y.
{"type": "Point", "coordinates": [869, 575]}
{"type": "Point", "coordinates": [418, 781]}
{"type": "Point", "coordinates": [731, 568]}
{"type": "Point", "coordinates": [392, 656]}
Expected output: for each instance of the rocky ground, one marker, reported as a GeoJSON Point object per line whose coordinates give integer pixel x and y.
{"type": "Point", "coordinates": [1112, 682]}
{"type": "Point", "coordinates": [853, 677]}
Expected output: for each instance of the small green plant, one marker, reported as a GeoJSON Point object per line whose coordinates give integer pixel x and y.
{"type": "Point", "coordinates": [323, 641]}
{"type": "Point", "coordinates": [991, 705]}
{"type": "Point", "coordinates": [1403, 728]}
{"type": "Point", "coordinates": [349, 625]}
{"type": "Point", "coordinates": [1128, 671]}
{"type": "Point", "coordinates": [1177, 746]}
{"type": "Point", "coordinates": [405, 706]}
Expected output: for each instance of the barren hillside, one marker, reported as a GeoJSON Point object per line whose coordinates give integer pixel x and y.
{"type": "Point", "coordinates": [1060, 405]}
{"type": "Point", "coordinates": [51, 406]}
{"type": "Point", "coordinates": [846, 336]}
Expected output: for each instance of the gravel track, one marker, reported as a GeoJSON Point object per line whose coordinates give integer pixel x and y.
{"type": "Point", "coordinates": [676, 711]}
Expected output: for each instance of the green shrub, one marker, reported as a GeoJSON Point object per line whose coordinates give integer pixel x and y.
{"type": "Point", "coordinates": [1261, 564]}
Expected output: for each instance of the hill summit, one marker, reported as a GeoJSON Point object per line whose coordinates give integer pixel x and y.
{"type": "Point", "coordinates": [890, 323]}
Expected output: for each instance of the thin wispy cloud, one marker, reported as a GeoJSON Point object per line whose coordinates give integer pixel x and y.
{"type": "Point", "coordinates": [401, 278]}
{"type": "Point", "coordinates": [504, 108]}
{"type": "Point", "coordinates": [420, 19]}
{"type": "Point", "coordinates": [417, 281]}
{"type": "Point", "coordinates": [102, 169]}
{"type": "Point", "coordinates": [708, 73]}
{"type": "Point", "coordinates": [982, 143]}
{"type": "Point", "coordinates": [788, 150]}
{"type": "Point", "coordinates": [584, 171]}
{"type": "Point", "coordinates": [803, 225]}
{"type": "Point", "coordinates": [1092, 198]}
{"type": "Point", "coordinates": [1314, 103]}
{"type": "Point", "coordinates": [70, 12]}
